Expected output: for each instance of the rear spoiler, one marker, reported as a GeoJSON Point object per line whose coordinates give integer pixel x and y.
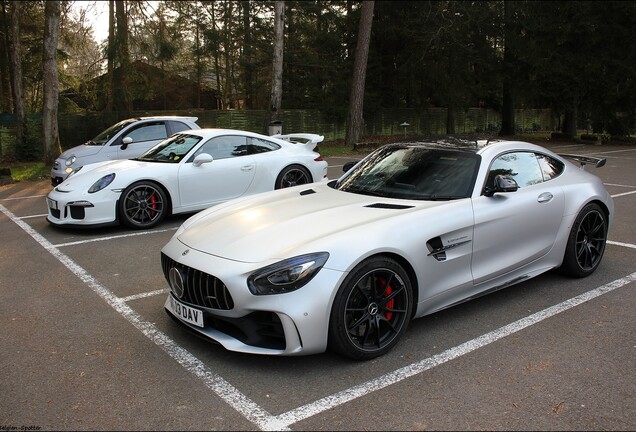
{"type": "Point", "coordinates": [310, 141]}
{"type": "Point", "coordinates": [584, 160]}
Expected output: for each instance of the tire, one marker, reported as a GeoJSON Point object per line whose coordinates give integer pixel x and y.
{"type": "Point", "coordinates": [371, 310]}
{"type": "Point", "coordinates": [586, 242]}
{"type": "Point", "coordinates": [143, 205]}
{"type": "Point", "coordinates": [293, 175]}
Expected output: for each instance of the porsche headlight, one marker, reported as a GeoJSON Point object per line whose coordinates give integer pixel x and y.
{"type": "Point", "coordinates": [102, 183]}
{"type": "Point", "coordinates": [287, 275]}
{"type": "Point", "coordinates": [70, 161]}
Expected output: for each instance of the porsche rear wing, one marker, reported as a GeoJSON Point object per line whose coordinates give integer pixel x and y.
{"type": "Point", "coordinates": [310, 141]}
{"type": "Point", "coordinates": [584, 160]}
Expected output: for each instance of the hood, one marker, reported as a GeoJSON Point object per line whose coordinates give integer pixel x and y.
{"type": "Point", "coordinates": [81, 151]}
{"type": "Point", "coordinates": [90, 173]}
{"type": "Point", "coordinates": [279, 224]}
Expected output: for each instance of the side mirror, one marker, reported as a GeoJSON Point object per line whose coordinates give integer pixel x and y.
{"type": "Point", "coordinates": [346, 167]}
{"type": "Point", "coordinates": [202, 158]}
{"type": "Point", "coordinates": [501, 184]}
{"type": "Point", "coordinates": [125, 142]}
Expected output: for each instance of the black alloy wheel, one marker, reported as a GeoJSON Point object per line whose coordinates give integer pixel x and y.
{"type": "Point", "coordinates": [372, 310]}
{"type": "Point", "coordinates": [142, 205]}
{"type": "Point", "coordinates": [586, 243]}
{"type": "Point", "coordinates": [293, 175]}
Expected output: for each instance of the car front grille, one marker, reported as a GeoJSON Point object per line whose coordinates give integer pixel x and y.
{"type": "Point", "coordinates": [201, 289]}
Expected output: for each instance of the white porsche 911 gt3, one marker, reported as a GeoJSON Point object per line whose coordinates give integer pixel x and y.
{"type": "Point", "coordinates": [411, 229]}
{"type": "Point", "coordinates": [187, 172]}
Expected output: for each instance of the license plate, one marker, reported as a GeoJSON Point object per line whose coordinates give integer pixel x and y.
{"type": "Point", "coordinates": [52, 203]}
{"type": "Point", "coordinates": [186, 313]}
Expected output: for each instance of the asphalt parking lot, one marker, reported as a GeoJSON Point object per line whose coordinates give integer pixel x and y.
{"type": "Point", "coordinates": [86, 345]}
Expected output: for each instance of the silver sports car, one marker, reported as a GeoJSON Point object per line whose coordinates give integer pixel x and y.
{"type": "Point", "coordinates": [411, 229]}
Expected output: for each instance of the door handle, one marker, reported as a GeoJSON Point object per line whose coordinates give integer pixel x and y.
{"type": "Point", "coordinates": [545, 197]}
{"type": "Point", "coordinates": [247, 168]}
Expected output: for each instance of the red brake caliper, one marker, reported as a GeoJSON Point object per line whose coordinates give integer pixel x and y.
{"type": "Point", "coordinates": [390, 303]}
{"type": "Point", "coordinates": [153, 205]}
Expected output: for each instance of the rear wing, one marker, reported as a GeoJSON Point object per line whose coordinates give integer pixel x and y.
{"type": "Point", "coordinates": [584, 160]}
{"type": "Point", "coordinates": [310, 141]}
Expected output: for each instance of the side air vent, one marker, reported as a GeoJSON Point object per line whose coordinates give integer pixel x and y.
{"type": "Point", "coordinates": [307, 192]}
{"type": "Point", "coordinates": [389, 206]}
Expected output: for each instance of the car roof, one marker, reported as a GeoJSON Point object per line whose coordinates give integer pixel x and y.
{"type": "Point", "coordinates": [450, 143]}
{"type": "Point", "coordinates": [193, 119]}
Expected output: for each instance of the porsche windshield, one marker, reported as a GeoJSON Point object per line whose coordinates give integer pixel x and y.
{"type": "Point", "coordinates": [171, 150]}
{"type": "Point", "coordinates": [414, 173]}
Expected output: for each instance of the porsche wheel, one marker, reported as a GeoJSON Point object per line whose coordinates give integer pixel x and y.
{"type": "Point", "coordinates": [293, 175]}
{"type": "Point", "coordinates": [371, 310]}
{"type": "Point", "coordinates": [142, 205]}
{"type": "Point", "coordinates": [586, 243]}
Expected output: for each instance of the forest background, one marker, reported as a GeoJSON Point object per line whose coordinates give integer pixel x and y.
{"type": "Point", "coordinates": [433, 67]}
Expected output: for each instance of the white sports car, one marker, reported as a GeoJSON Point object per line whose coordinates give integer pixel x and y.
{"type": "Point", "coordinates": [187, 172]}
{"type": "Point", "coordinates": [410, 230]}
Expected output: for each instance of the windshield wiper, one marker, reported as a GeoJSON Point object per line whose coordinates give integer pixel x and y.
{"type": "Point", "coordinates": [441, 197]}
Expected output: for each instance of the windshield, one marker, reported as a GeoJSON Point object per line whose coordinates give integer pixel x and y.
{"type": "Point", "coordinates": [171, 150]}
{"type": "Point", "coordinates": [106, 135]}
{"type": "Point", "coordinates": [414, 173]}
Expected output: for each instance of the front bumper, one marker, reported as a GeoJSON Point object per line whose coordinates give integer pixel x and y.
{"type": "Point", "coordinates": [294, 323]}
{"type": "Point", "coordinates": [82, 208]}
{"type": "Point", "coordinates": [59, 172]}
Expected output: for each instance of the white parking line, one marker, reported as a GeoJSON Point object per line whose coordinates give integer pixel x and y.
{"type": "Point", "coordinates": [143, 295]}
{"type": "Point", "coordinates": [253, 412]}
{"type": "Point", "coordinates": [20, 198]}
{"type": "Point", "coordinates": [623, 194]}
{"type": "Point", "coordinates": [134, 234]}
{"type": "Point", "coordinates": [627, 245]}
{"type": "Point", "coordinates": [34, 216]}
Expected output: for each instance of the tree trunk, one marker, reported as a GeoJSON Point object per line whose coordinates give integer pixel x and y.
{"type": "Point", "coordinates": [277, 69]}
{"type": "Point", "coordinates": [569, 122]}
{"type": "Point", "coordinates": [508, 109]}
{"type": "Point", "coordinates": [355, 119]}
{"type": "Point", "coordinates": [247, 57]}
{"type": "Point", "coordinates": [6, 100]}
{"type": "Point", "coordinates": [122, 102]}
{"type": "Point", "coordinates": [50, 135]}
{"type": "Point", "coordinates": [16, 73]}
{"type": "Point", "coordinates": [110, 92]}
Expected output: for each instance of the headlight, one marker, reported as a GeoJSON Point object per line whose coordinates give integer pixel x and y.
{"type": "Point", "coordinates": [287, 275]}
{"type": "Point", "coordinates": [70, 161]}
{"type": "Point", "coordinates": [102, 183]}
{"type": "Point", "coordinates": [70, 171]}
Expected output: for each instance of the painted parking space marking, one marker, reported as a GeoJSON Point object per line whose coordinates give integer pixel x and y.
{"type": "Point", "coordinates": [623, 194]}
{"type": "Point", "coordinates": [627, 245]}
{"type": "Point", "coordinates": [144, 295]}
{"type": "Point", "coordinates": [252, 411]}
{"type": "Point", "coordinates": [23, 197]}
{"type": "Point", "coordinates": [134, 234]}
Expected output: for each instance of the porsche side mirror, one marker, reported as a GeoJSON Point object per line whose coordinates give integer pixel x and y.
{"type": "Point", "coordinates": [501, 184]}
{"type": "Point", "coordinates": [202, 158]}
{"type": "Point", "coordinates": [346, 167]}
{"type": "Point", "coordinates": [125, 142]}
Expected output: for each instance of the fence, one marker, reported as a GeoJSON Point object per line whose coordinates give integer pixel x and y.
{"type": "Point", "coordinates": [77, 128]}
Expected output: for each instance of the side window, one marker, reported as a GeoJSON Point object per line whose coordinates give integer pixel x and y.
{"type": "Point", "coordinates": [148, 132]}
{"type": "Point", "coordinates": [224, 147]}
{"type": "Point", "coordinates": [550, 167]}
{"type": "Point", "coordinates": [177, 126]}
{"type": "Point", "coordinates": [523, 167]}
{"type": "Point", "coordinates": [258, 145]}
